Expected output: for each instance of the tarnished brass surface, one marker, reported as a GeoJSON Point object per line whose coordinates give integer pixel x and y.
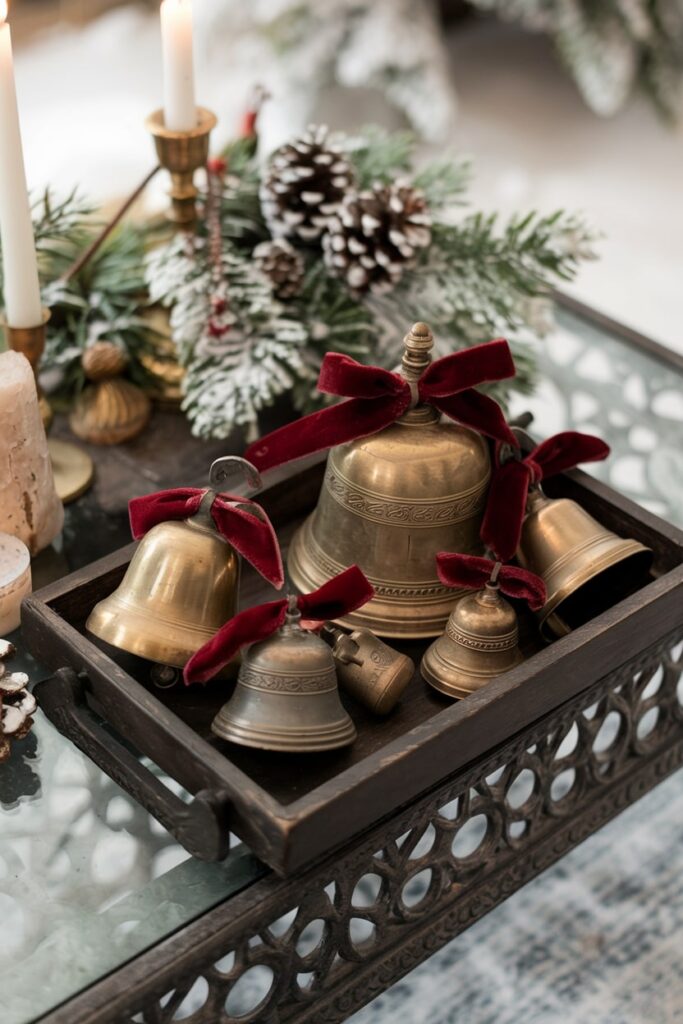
{"type": "Point", "coordinates": [479, 644]}
{"type": "Point", "coordinates": [286, 697]}
{"type": "Point", "coordinates": [372, 672]}
{"type": "Point", "coordinates": [389, 503]}
{"type": "Point", "coordinates": [586, 568]}
{"type": "Point", "coordinates": [30, 341]}
{"type": "Point", "coordinates": [72, 469]}
{"type": "Point", "coordinates": [160, 360]}
{"type": "Point", "coordinates": [181, 154]}
{"type": "Point", "coordinates": [110, 412]}
{"type": "Point", "coordinates": [179, 589]}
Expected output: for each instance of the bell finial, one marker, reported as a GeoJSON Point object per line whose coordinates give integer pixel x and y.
{"type": "Point", "coordinates": [418, 343]}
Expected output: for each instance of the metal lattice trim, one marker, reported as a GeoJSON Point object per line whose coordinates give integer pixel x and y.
{"type": "Point", "coordinates": [410, 880]}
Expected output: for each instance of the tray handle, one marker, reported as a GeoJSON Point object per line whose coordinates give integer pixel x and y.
{"type": "Point", "coordinates": [200, 826]}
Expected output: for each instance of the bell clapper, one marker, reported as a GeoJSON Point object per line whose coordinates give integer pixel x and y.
{"type": "Point", "coordinates": [164, 677]}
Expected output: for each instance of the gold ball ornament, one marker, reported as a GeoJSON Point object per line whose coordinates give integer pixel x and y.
{"type": "Point", "coordinates": [110, 410]}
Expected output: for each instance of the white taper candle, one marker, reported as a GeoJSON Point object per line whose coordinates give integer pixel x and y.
{"type": "Point", "coordinates": [180, 109]}
{"type": "Point", "coordinates": [20, 266]}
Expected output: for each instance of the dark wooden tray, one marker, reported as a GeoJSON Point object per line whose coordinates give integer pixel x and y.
{"type": "Point", "coordinates": [292, 809]}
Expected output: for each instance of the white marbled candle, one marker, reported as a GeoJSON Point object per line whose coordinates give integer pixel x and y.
{"type": "Point", "coordinates": [180, 108]}
{"type": "Point", "coordinates": [15, 581]}
{"type": "Point", "coordinates": [29, 506]}
{"type": "Point", "coordinates": [20, 266]}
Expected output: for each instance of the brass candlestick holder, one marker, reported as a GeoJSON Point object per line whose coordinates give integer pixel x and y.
{"type": "Point", "coordinates": [181, 154]}
{"type": "Point", "coordinates": [30, 341]}
{"type": "Point", "coordinates": [72, 468]}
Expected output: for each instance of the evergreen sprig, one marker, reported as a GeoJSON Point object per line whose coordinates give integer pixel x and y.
{"type": "Point", "coordinates": [102, 301]}
{"type": "Point", "coordinates": [478, 279]}
{"type": "Point", "coordinates": [240, 342]}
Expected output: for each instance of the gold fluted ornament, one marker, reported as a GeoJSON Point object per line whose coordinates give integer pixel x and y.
{"type": "Point", "coordinates": [181, 586]}
{"type": "Point", "coordinates": [388, 503]}
{"type": "Point", "coordinates": [110, 409]}
{"type": "Point", "coordinates": [480, 643]}
{"type": "Point", "coordinates": [586, 568]}
{"type": "Point", "coordinates": [286, 697]}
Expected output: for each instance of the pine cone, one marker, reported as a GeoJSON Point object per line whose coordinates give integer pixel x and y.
{"type": "Point", "coordinates": [375, 236]}
{"type": "Point", "coordinates": [305, 184]}
{"type": "Point", "coordinates": [16, 708]}
{"type": "Point", "coordinates": [282, 264]}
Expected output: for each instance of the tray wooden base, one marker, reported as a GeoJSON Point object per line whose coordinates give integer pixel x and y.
{"type": "Point", "coordinates": [294, 809]}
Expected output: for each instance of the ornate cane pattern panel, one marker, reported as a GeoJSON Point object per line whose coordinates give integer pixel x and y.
{"type": "Point", "coordinates": [363, 920]}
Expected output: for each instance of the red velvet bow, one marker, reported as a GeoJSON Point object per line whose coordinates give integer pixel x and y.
{"type": "Point", "coordinates": [339, 596]}
{"type": "Point", "coordinates": [251, 533]}
{"type": "Point", "coordinates": [474, 573]}
{"type": "Point", "coordinates": [379, 397]}
{"type": "Point", "coordinates": [502, 525]}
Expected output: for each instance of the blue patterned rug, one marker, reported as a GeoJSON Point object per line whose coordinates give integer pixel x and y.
{"type": "Point", "coordinates": [597, 939]}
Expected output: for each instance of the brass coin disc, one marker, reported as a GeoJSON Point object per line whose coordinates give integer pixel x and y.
{"type": "Point", "coordinates": [72, 468]}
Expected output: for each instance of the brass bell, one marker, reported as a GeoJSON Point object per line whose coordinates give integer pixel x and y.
{"type": "Point", "coordinates": [480, 643]}
{"type": "Point", "coordinates": [372, 672]}
{"type": "Point", "coordinates": [389, 502]}
{"type": "Point", "coordinates": [586, 568]}
{"type": "Point", "coordinates": [181, 586]}
{"type": "Point", "coordinates": [286, 697]}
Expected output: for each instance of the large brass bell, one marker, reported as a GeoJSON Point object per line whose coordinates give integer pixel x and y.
{"type": "Point", "coordinates": [480, 643]}
{"type": "Point", "coordinates": [389, 502]}
{"type": "Point", "coordinates": [586, 568]}
{"type": "Point", "coordinates": [286, 696]}
{"type": "Point", "coordinates": [181, 586]}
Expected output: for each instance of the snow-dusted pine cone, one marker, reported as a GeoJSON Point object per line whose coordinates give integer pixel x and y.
{"type": "Point", "coordinates": [375, 236]}
{"type": "Point", "coordinates": [16, 706]}
{"type": "Point", "coordinates": [282, 264]}
{"type": "Point", "coordinates": [306, 181]}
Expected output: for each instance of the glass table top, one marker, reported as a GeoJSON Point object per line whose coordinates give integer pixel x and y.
{"type": "Point", "coordinates": [88, 880]}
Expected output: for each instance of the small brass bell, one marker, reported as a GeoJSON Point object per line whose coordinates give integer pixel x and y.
{"type": "Point", "coordinates": [479, 644]}
{"type": "Point", "coordinates": [389, 502]}
{"type": "Point", "coordinates": [372, 672]}
{"type": "Point", "coordinates": [586, 567]}
{"type": "Point", "coordinates": [181, 586]}
{"type": "Point", "coordinates": [286, 697]}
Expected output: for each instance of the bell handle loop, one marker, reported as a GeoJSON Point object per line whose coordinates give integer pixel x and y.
{"type": "Point", "coordinates": [495, 573]}
{"type": "Point", "coordinates": [293, 613]}
{"type": "Point", "coordinates": [223, 469]}
{"type": "Point", "coordinates": [201, 826]}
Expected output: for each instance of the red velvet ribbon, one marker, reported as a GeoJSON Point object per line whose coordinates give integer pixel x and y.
{"type": "Point", "coordinates": [474, 573]}
{"type": "Point", "coordinates": [250, 532]}
{"type": "Point", "coordinates": [339, 596]}
{"type": "Point", "coordinates": [378, 397]}
{"type": "Point", "coordinates": [506, 505]}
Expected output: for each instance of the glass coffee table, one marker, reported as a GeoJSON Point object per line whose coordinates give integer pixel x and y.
{"type": "Point", "coordinates": [104, 917]}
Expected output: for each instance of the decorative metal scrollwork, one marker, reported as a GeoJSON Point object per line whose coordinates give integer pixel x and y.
{"type": "Point", "coordinates": [364, 920]}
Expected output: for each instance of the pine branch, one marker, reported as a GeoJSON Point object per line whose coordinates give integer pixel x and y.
{"type": "Point", "coordinates": [378, 155]}
{"type": "Point", "coordinates": [100, 302]}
